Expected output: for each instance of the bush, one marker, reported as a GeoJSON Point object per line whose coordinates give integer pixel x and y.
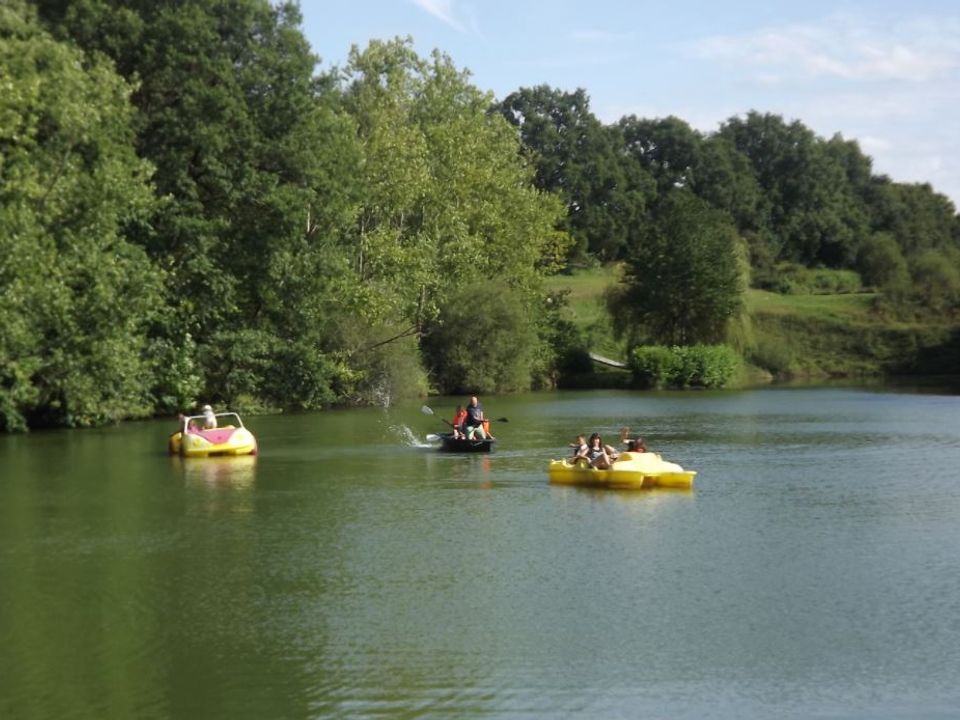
{"type": "Point", "coordinates": [794, 279]}
{"type": "Point", "coordinates": [936, 281]}
{"type": "Point", "coordinates": [563, 348]}
{"type": "Point", "coordinates": [881, 262]}
{"type": "Point", "coordinates": [654, 365]}
{"type": "Point", "coordinates": [772, 354]}
{"type": "Point", "coordinates": [709, 366]}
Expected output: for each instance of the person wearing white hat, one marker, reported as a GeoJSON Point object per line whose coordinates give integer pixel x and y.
{"type": "Point", "coordinates": [209, 419]}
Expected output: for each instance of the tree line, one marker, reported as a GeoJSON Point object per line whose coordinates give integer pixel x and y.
{"type": "Point", "coordinates": [189, 209]}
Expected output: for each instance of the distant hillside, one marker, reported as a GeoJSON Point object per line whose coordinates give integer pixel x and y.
{"type": "Point", "coordinates": [791, 335]}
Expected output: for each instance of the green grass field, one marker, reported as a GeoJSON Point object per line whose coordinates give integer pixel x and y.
{"type": "Point", "coordinates": [789, 334]}
{"type": "Point", "coordinates": [833, 307]}
{"type": "Point", "coordinates": [586, 307]}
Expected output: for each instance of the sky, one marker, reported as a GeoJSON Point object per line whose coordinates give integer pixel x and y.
{"type": "Point", "coordinates": [883, 73]}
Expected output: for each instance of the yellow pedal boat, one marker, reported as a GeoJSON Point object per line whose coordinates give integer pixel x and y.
{"type": "Point", "coordinates": [631, 471]}
{"type": "Point", "coordinates": [230, 437]}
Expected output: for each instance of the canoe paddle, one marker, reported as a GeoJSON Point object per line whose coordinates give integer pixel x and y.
{"type": "Point", "coordinates": [429, 411]}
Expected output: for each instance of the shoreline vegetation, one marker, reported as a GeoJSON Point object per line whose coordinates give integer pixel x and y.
{"type": "Point", "coordinates": [194, 209]}
{"type": "Point", "coordinates": [796, 338]}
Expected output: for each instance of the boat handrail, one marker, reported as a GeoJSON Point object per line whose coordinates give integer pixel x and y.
{"type": "Point", "coordinates": [230, 414]}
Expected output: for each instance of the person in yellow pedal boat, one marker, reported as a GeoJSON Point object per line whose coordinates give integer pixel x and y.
{"type": "Point", "coordinates": [636, 444]}
{"type": "Point", "coordinates": [599, 455]}
{"type": "Point", "coordinates": [580, 448]}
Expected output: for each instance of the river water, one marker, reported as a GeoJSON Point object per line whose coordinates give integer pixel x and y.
{"type": "Point", "coordinates": [350, 571]}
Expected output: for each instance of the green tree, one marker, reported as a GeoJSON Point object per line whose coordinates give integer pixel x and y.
{"type": "Point", "coordinates": [483, 341]}
{"type": "Point", "coordinates": [881, 262]}
{"type": "Point", "coordinates": [919, 218]}
{"type": "Point", "coordinates": [815, 216]}
{"type": "Point", "coordinates": [578, 158]}
{"type": "Point", "coordinates": [724, 178]}
{"type": "Point", "coordinates": [936, 280]}
{"type": "Point", "coordinates": [682, 285]}
{"type": "Point", "coordinates": [255, 167]}
{"type": "Point", "coordinates": [668, 148]}
{"type": "Point", "coordinates": [449, 200]}
{"type": "Point", "coordinates": [75, 296]}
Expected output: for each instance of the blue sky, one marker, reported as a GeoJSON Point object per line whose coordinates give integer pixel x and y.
{"type": "Point", "coordinates": [886, 74]}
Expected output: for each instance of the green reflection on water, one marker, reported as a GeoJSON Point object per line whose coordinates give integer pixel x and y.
{"type": "Point", "coordinates": [351, 571]}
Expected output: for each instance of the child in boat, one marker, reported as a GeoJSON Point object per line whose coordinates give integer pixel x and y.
{"type": "Point", "coordinates": [580, 448]}
{"type": "Point", "coordinates": [459, 417]}
{"type": "Point", "coordinates": [636, 444]}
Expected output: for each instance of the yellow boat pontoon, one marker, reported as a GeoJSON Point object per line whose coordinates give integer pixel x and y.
{"type": "Point", "coordinates": [631, 471]}
{"type": "Point", "coordinates": [230, 437]}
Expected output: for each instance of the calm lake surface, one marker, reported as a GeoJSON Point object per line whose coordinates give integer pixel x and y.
{"type": "Point", "coordinates": [351, 572]}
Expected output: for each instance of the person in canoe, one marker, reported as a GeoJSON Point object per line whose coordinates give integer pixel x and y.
{"type": "Point", "coordinates": [459, 417]}
{"type": "Point", "coordinates": [476, 426]}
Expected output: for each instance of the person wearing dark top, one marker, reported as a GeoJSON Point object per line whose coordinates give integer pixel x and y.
{"type": "Point", "coordinates": [600, 456]}
{"type": "Point", "coordinates": [473, 426]}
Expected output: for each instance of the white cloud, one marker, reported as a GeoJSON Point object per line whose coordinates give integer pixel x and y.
{"type": "Point", "coordinates": [890, 82]}
{"type": "Point", "coordinates": [442, 10]}
{"type": "Point", "coordinates": [844, 47]}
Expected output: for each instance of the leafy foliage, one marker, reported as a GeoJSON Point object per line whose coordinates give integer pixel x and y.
{"type": "Point", "coordinates": [483, 341]}
{"type": "Point", "coordinates": [75, 296]}
{"type": "Point", "coordinates": [187, 209]}
{"type": "Point", "coordinates": [708, 366]}
{"type": "Point", "coordinates": [682, 285]}
{"type": "Point", "coordinates": [579, 159]}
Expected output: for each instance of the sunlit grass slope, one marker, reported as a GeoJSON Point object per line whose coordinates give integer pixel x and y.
{"type": "Point", "coordinates": [786, 334]}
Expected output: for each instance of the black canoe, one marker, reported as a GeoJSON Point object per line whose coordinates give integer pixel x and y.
{"type": "Point", "coordinates": [449, 444]}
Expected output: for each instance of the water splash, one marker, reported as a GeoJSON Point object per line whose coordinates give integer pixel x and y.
{"type": "Point", "coordinates": [407, 436]}
{"type": "Point", "coordinates": [381, 395]}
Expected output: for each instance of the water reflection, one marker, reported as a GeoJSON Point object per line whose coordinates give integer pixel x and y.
{"type": "Point", "coordinates": [642, 495]}
{"type": "Point", "coordinates": [236, 472]}
{"type": "Point", "coordinates": [347, 572]}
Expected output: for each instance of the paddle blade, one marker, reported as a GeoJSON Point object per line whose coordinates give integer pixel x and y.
{"type": "Point", "coordinates": [426, 410]}
{"type": "Point", "coordinates": [502, 420]}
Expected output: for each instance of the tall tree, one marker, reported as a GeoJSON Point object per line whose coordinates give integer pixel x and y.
{"type": "Point", "coordinates": [450, 200]}
{"type": "Point", "coordinates": [255, 174]}
{"type": "Point", "coordinates": [815, 216]}
{"type": "Point", "coordinates": [682, 285]}
{"type": "Point", "coordinates": [918, 217]}
{"type": "Point", "coordinates": [75, 296]}
{"type": "Point", "coordinates": [668, 148]}
{"type": "Point", "coordinates": [580, 159]}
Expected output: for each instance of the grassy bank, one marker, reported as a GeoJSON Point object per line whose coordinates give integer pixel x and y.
{"type": "Point", "coordinates": [586, 308]}
{"type": "Point", "coordinates": [794, 335]}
